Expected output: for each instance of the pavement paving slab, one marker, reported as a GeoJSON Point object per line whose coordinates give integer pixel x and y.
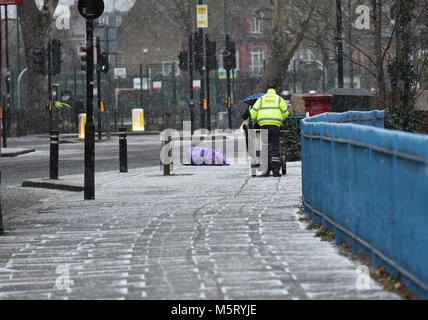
{"type": "Point", "coordinates": [204, 233]}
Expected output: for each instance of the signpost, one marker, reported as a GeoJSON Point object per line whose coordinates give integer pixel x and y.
{"type": "Point", "coordinates": [90, 10]}
{"type": "Point", "coordinates": [199, 44]}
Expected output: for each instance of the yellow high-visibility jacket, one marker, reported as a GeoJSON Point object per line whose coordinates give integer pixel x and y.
{"type": "Point", "coordinates": [271, 109]}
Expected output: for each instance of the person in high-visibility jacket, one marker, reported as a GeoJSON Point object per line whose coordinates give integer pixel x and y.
{"type": "Point", "coordinates": [269, 112]}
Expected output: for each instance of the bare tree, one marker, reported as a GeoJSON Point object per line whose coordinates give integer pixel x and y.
{"type": "Point", "coordinates": [287, 15]}
{"type": "Point", "coordinates": [36, 27]}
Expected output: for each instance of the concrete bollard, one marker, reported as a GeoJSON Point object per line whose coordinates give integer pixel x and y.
{"type": "Point", "coordinates": [123, 150]}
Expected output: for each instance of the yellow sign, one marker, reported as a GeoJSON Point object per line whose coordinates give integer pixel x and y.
{"type": "Point", "coordinates": [202, 9]}
{"type": "Point", "coordinates": [102, 106]}
{"type": "Point", "coordinates": [202, 16]}
{"type": "Point", "coordinates": [205, 104]}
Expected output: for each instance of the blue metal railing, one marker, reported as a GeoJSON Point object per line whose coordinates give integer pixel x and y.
{"type": "Point", "coordinates": [370, 186]}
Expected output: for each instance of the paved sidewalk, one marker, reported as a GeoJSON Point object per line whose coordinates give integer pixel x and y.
{"type": "Point", "coordinates": [205, 233]}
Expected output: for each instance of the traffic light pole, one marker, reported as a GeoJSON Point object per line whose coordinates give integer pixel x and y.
{"type": "Point", "coordinates": [339, 40]}
{"type": "Point", "coordinates": [2, 107]}
{"type": "Point", "coordinates": [191, 102]}
{"type": "Point", "coordinates": [207, 70]}
{"type": "Point", "coordinates": [7, 105]}
{"type": "Point", "coordinates": [228, 98]}
{"type": "Point", "coordinates": [202, 90]}
{"type": "Point", "coordinates": [89, 184]}
{"type": "Point", "coordinates": [99, 86]}
{"type": "Point", "coordinates": [1, 215]}
{"type": "Point", "coordinates": [51, 100]}
{"type": "Point", "coordinates": [226, 31]}
{"type": "Point", "coordinates": [54, 133]}
{"type": "Point", "coordinates": [108, 110]}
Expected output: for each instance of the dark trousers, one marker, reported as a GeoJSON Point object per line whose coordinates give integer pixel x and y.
{"type": "Point", "coordinates": [274, 148]}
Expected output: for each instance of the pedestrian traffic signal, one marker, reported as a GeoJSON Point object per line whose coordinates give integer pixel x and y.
{"type": "Point", "coordinates": [56, 56]}
{"type": "Point", "coordinates": [199, 51]}
{"type": "Point", "coordinates": [83, 58]}
{"type": "Point", "coordinates": [183, 63]}
{"type": "Point", "coordinates": [40, 61]}
{"type": "Point", "coordinates": [211, 55]}
{"type": "Point", "coordinates": [229, 56]}
{"type": "Point", "coordinates": [103, 62]}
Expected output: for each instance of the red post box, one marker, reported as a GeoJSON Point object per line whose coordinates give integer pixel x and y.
{"type": "Point", "coordinates": [317, 103]}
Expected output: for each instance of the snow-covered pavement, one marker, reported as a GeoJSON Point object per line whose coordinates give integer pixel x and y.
{"type": "Point", "coordinates": [203, 233]}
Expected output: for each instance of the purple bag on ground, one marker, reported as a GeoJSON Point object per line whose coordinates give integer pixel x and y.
{"type": "Point", "coordinates": [206, 157]}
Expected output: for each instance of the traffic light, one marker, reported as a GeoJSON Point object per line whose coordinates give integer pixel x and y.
{"type": "Point", "coordinates": [211, 55]}
{"type": "Point", "coordinates": [56, 56]}
{"type": "Point", "coordinates": [183, 64]}
{"type": "Point", "coordinates": [40, 61]}
{"type": "Point", "coordinates": [229, 56]}
{"type": "Point", "coordinates": [233, 55]}
{"type": "Point", "coordinates": [103, 62]}
{"type": "Point", "coordinates": [83, 57]}
{"type": "Point", "coordinates": [199, 51]}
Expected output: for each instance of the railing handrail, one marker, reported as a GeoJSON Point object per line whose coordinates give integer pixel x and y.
{"type": "Point", "coordinates": [360, 180]}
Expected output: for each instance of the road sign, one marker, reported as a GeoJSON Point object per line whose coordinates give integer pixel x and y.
{"type": "Point", "coordinates": [196, 84]}
{"type": "Point", "coordinates": [91, 10]}
{"type": "Point", "coordinates": [202, 16]}
{"type": "Point", "coordinates": [119, 73]}
{"type": "Point", "coordinates": [10, 2]}
{"type": "Point", "coordinates": [137, 83]}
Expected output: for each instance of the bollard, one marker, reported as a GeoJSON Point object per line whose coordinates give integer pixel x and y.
{"type": "Point", "coordinates": [167, 167]}
{"type": "Point", "coordinates": [123, 150]}
{"type": "Point", "coordinates": [53, 168]}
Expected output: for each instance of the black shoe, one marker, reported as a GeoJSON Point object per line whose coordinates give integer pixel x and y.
{"type": "Point", "coordinates": [267, 174]}
{"type": "Point", "coordinates": [277, 175]}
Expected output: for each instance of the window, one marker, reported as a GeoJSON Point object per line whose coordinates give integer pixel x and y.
{"type": "Point", "coordinates": [257, 57]}
{"type": "Point", "coordinates": [255, 26]}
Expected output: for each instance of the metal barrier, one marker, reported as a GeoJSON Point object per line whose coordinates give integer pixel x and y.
{"type": "Point", "coordinates": [370, 186]}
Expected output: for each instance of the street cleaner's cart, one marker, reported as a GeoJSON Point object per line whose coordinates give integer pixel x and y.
{"type": "Point", "coordinates": [253, 134]}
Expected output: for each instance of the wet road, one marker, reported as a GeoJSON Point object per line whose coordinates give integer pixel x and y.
{"type": "Point", "coordinates": [143, 151]}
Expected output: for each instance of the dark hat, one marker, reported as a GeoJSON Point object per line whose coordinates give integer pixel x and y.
{"type": "Point", "coordinates": [272, 85]}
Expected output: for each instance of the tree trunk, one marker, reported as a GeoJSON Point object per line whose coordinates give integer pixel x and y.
{"type": "Point", "coordinates": [380, 72]}
{"type": "Point", "coordinates": [282, 50]}
{"type": "Point", "coordinates": [36, 31]}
